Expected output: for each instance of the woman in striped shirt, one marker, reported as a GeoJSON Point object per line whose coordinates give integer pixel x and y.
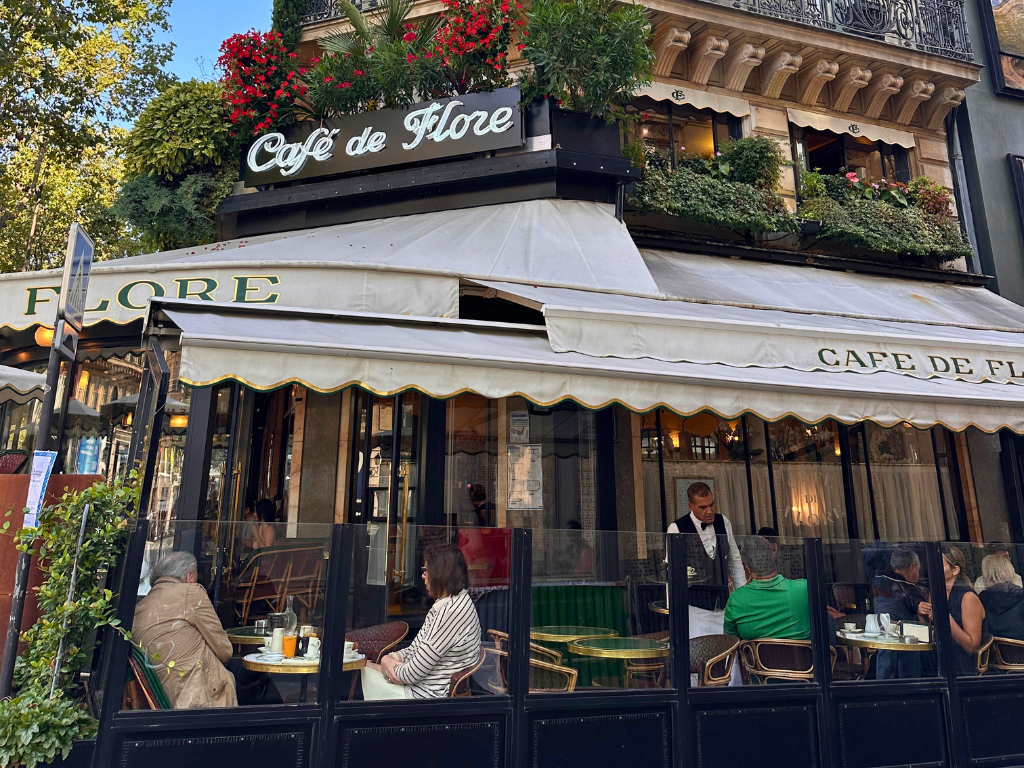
{"type": "Point", "coordinates": [448, 642]}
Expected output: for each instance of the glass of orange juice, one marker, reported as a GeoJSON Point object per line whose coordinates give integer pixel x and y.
{"type": "Point", "coordinates": [288, 644]}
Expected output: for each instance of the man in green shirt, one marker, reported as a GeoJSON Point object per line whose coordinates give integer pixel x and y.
{"type": "Point", "coordinates": [769, 605]}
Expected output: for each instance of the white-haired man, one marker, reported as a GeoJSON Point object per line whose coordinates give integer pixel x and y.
{"type": "Point", "coordinates": [185, 642]}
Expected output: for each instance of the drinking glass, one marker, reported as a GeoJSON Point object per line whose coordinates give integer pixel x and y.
{"type": "Point", "coordinates": [288, 646]}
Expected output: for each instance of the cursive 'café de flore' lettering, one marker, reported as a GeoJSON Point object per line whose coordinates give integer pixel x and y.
{"type": "Point", "coordinates": [446, 316]}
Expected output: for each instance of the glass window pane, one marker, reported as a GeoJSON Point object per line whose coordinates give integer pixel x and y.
{"type": "Point", "coordinates": [875, 593]}
{"type": "Point", "coordinates": [994, 571]}
{"type": "Point", "coordinates": [808, 477]}
{"type": "Point", "coordinates": [600, 616]}
{"type": "Point", "coordinates": [441, 628]}
{"type": "Point", "coordinates": [471, 466]}
{"type": "Point", "coordinates": [210, 636]}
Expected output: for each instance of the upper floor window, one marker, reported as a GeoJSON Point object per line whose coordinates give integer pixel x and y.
{"type": "Point", "coordinates": [830, 152]}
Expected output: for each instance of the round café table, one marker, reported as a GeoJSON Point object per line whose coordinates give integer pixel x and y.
{"type": "Point", "coordinates": [659, 606]}
{"type": "Point", "coordinates": [569, 633]}
{"type": "Point", "coordinates": [296, 667]}
{"type": "Point", "coordinates": [245, 636]}
{"type": "Point", "coordinates": [881, 642]}
{"type": "Point", "coordinates": [620, 648]}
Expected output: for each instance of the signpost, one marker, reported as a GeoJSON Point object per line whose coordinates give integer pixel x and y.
{"type": "Point", "coordinates": [67, 326]}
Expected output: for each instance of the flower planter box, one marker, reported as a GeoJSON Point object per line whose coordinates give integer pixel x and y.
{"type": "Point", "coordinates": [575, 131]}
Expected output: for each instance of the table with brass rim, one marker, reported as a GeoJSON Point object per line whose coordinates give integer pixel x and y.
{"type": "Point", "coordinates": [659, 606]}
{"type": "Point", "coordinates": [568, 633]}
{"type": "Point", "coordinates": [245, 636]}
{"type": "Point", "coordinates": [620, 648]}
{"type": "Point", "coordinates": [880, 643]}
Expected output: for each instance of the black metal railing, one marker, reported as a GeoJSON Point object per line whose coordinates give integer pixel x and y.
{"type": "Point", "coordinates": [932, 26]}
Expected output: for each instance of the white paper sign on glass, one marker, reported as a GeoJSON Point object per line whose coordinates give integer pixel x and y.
{"type": "Point", "coordinates": [525, 477]}
{"type": "Point", "coordinates": [42, 466]}
{"type": "Point", "coordinates": [519, 426]}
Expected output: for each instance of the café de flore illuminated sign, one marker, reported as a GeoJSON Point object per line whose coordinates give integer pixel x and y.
{"type": "Point", "coordinates": [460, 125]}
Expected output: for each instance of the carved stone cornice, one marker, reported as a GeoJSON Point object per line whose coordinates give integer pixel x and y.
{"type": "Point", "coordinates": [879, 92]}
{"type": "Point", "coordinates": [910, 99]}
{"type": "Point", "coordinates": [704, 54]}
{"type": "Point", "coordinates": [812, 79]}
{"type": "Point", "coordinates": [669, 41]}
{"type": "Point", "coordinates": [778, 70]}
{"type": "Point", "coordinates": [738, 64]}
{"type": "Point", "coordinates": [848, 82]}
{"type": "Point", "coordinates": [938, 106]}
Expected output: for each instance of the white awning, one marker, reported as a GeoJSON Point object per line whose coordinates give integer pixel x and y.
{"type": "Point", "coordinates": [686, 94]}
{"type": "Point", "coordinates": [267, 348]}
{"type": "Point", "coordinates": [851, 126]}
{"type": "Point", "coordinates": [604, 325]}
{"type": "Point", "coordinates": [20, 386]}
{"type": "Point", "coordinates": [407, 264]}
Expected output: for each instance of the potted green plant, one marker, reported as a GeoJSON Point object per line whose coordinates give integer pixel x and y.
{"type": "Point", "coordinates": [588, 58]}
{"type": "Point", "coordinates": [47, 715]}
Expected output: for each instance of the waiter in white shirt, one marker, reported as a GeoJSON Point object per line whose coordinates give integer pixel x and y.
{"type": "Point", "coordinates": [711, 553]}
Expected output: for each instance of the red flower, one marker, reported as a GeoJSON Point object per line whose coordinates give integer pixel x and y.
{"type": "Point", "coordinates": [409, 37]}
{"type": "Point", "coordinates": [410, 58]}
{"type": "Point", "coordinates": [358, 73]}
{"type": "Point", "coordinates": [328, 79]}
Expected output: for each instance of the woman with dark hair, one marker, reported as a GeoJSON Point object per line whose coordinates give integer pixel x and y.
{"type": "Point", "coordinates": [966, 613]}
{"type": "Point", "coordinates": [448, 642]}
{"type": "Point", "coordinates": [264, 533]}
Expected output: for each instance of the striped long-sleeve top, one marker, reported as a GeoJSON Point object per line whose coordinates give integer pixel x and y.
{"type": "Point", "coordinates": [448, 642]}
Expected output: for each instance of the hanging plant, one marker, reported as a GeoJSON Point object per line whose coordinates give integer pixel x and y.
{"type": "Point", "coordinates": [35, 724]}
{"type": "Point", "coordinates": [260, 82]}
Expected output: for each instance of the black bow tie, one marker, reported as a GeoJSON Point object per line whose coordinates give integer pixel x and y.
{"type": "Point", "coordinates": [705, 526]}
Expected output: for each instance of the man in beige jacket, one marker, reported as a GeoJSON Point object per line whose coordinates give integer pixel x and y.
{"type": "Point", "coordinates": [183, 638]}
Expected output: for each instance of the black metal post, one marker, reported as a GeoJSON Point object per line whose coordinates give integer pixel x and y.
{"type": "Point", "coordinates": [520, 616]}
{"type": "Point", "coordinates": [771, 473]}
{"type": "Point", "coordinates": [661, 473]}
{"type": "Point", "coordinates": [1012, 482]}
{"type": "Point", "coordinates": [750, 476]}
{"type": "Point", "coordinates": [955, 728]}
{"type": "Point", "coordinates": [115, 649]}
{"type": "Point", "coordinates": [821, 647]}
{"type": "Point", "coordinates": [329, 683]}
{"type": "Point", "coordinates": [683, 742]}
{"type": "Point", "coordinates": [25, 558]}
{"type": "Point", "coordinates": [846, 464]}
{"type": "Point", "coordinates": [671, 138]}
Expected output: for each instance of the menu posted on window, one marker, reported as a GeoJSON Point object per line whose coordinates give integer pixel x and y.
{"type": "Point", "coordinates": [525, 477]}
{"type": "Point", "coordinates": [42, 466]}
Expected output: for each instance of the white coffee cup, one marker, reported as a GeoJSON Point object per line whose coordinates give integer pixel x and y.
{"type": "Point", "coordinates": [277, 640]}
{"type": "Point", "coordinates": [313, 651]}
{"type": "Point", "coordinates": [350, 647]}
{"type": "Point", "coordinates": [849, 626]}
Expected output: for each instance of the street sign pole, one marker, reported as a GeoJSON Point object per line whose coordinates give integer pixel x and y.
{"type": "Point", "coordinates": [67, 326]}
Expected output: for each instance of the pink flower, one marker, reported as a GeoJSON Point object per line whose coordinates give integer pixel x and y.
{"type": "Point", "coordinates": [852, 177]}
{"type": "Point", "coordinates": [875, 186]}
{"type": "Point", "coordinates": [718, 154]}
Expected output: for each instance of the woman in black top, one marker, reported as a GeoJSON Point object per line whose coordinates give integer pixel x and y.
{"type": "Point", "coordinates": [1002, 599]}
{"type": "Point", "coordinates": [966, 613]}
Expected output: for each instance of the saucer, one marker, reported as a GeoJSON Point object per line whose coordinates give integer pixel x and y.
{"type": "Point", "coordinates": [271, 658]}
{"type": "Point", "coordinates": [871, 634]}
{"type": "Point", "coordinates": [354, 657]}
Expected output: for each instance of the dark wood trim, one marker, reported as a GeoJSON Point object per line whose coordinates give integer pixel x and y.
{"type": "Point", "coordinates": [750, 478]}
{"type": "Point", "coordinates": [846, 464]}
{"type": "Point", "coordinates": [771, 473]}
{"type": "Point", "coordinates": [1010, 461]}
{"type": "Point", "coordinates": [661, 472]}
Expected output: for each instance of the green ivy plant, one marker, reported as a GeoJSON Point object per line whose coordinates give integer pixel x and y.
{"type": "Point", "coordinates": [182, 131]}
{"type": "Point", "coordinates": [34, 726]}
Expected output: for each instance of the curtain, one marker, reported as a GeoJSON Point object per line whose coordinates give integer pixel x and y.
{"type": "Point", "coordinates": [810, 501]}
{"type": "Point", "coordinates": [907, 502]}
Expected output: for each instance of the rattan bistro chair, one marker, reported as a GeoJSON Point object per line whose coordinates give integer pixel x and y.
{"type": "Point", "coordinates": [712, 657]}
{"type": "Point", "coordinates": [538, 652]}
{"type": "Point", "coordinates": [544, 677]}
{"type": "Point", "coordinates": [773, 659]}
{"type": "Point", "coordinates": [460, 682]}
{"type": "Point", "coordinates": [982, 655]}
{"type": "Point", "coordinates": [1007, 654]}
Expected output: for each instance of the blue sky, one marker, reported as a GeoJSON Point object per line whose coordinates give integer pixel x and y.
{"type": "Point", "coordinates": [198, 27]}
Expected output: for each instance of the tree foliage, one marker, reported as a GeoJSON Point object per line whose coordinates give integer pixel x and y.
{"type": "Point", "coordinates": [184, 130]}
{"type": "Point", "coordinates": [80, 188]}
{"type": "Point", "coordinates": [34, 726]}
{"type": "Point", "coordinates": [591, 55]}
{"type": "Point", "coordinates": [174, 214]}
{"type": "Point", "coordinates": [287, 22]}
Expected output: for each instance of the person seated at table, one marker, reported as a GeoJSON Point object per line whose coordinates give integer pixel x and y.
{"type": "Point", "coordinates": [898, 594]}
{"type": "Point", "coordinates": [264, 530]}
{"type": "Point", "coordinates": [179, 630]}
{"type": "Point", "coordinates": [966, 613]}
{"type": "Point", "coordinates": [1003, 600]}
{"type": "Point", "coordinates": [985, 581]}
{"type": "Point", "coordinates": [769, 605]}
{"type": "Point", "coordinates": [448, 642]}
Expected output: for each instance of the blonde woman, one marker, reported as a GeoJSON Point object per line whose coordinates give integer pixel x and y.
{"type": "Point", "coordinates": [1003, 600]}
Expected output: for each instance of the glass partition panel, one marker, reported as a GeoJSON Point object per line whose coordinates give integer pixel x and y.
{"type": "Point", "coordinates": [879, 601]}
{"type": "Point", "coordinates": [749, 614]}
{"type": "Point", "coordinates": [599, 611]}
{"type": "Point", "coordinates": [986, 605]}
{"type": "Point", "coordinates": [428, 614]}
{"type": "Point", "coordinates": [210, 632]}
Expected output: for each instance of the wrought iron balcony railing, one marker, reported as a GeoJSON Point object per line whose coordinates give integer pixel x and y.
{"type": "Point", "coordinates": [932, 26]}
